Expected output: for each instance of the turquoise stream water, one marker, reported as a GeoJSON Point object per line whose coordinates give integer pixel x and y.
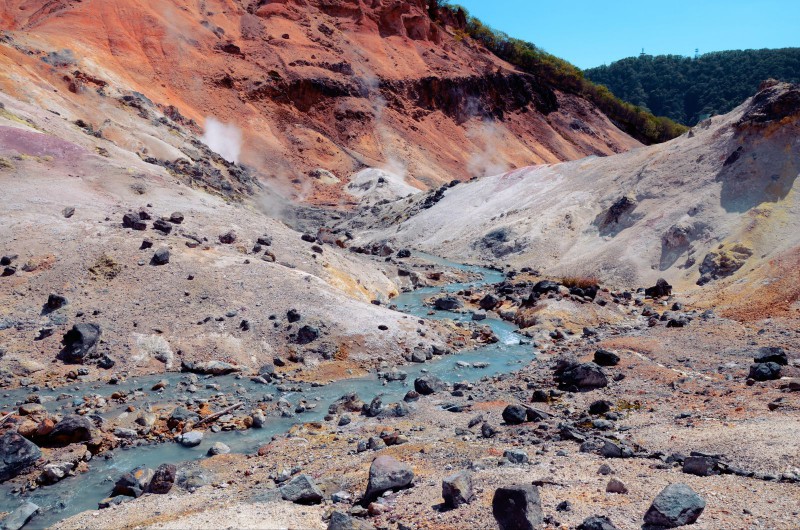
{"type": "Point", "coordinates": [76, 494]}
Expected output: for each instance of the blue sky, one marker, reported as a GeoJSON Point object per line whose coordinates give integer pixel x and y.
{"type": "Point", "coordinates": [594, 32]}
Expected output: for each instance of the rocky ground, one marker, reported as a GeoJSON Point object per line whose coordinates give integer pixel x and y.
{"type": "Point", "coordinates": [603, 418]}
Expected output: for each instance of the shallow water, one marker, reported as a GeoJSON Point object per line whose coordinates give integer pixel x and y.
{"type": "Point", "coordinates": [83, 492]}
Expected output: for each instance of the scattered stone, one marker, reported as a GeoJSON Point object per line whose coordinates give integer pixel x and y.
{"type": "Point", "coordinates": [307, 334]}
{"type": "Point", "coordinates": [301, 490]}
{"type": "Point", "coordinates": [676, 505]}
{"type": "Point", "coordinates": [176, 218]}
{"type": "Point", "coordinates": [134, 483]}
{"type": "Point", "coordinates": [71, 429]}
{"type": "Point", "coordinates": [190, 439]}
{"type": "Point", "coordinates": [583, 376]}
{"type": "Point", "coordinates": [489, 302]}
{"type": "Point", "coordinates": [702, 466]}
{"type": "Point", "coordinates": [616, 486]}
{"type": "Point", "coordinates": [163, 479]}
{"type": "Point", "coordinates": [342, 521]}
{"type": "Point", "coordinates": [68, 212]}
{"type": "Point", "coordinates": [146, 243]}
{"type": "Point", "coordinates": [516, 456]}
{"type": "Point", "coordinates": [772, 355]}
{"type": "Point", "coordinates": [387, 473]}
{"type": "Point", "coordinates": [517, 507]}
{"type": "Point", "coordinates": [133, 221]}
{"type": "Point", "coordinates": [515, 414]}
{"type": "Point", "coordinates": [162, 225]}
{"type": "Point", "coordinates": [447, 303]}
{"type": "Point", "coordinates": [765, 371]}
{"type": "Point", "coordinates": [160, 257]}
{"type": "Point", "coordinates": [457, 489]}
{"type": "Point", "coordinates": [606, 358]}
{"type": "Point", "coordinates": [597, 522]}
{"type": "Point", "coordinates": [429, 384]}
{"type": "Point", "coordinates": [20, 517]}
{"type": "Point", "coordinates": [80, 342]}
{"type": "Point", "coordinates": [55, 301]}
{"type": "Point", "coordinates": [228, 238]}
{"type": "Point", "coordinates": [16, 453]}
{"type": "Point", "coordinates": [218, 448]}
{"type": "Point", "coordinates": [660, 289]}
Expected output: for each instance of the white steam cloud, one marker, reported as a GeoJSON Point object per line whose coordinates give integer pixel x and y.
{"type": "Point", "coordinates": [223, 138]}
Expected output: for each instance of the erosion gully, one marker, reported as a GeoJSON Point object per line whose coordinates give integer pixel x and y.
{"type": "Point", "coordinates": [83, 492]}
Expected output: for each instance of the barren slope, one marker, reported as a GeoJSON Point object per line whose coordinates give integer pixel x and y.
{"type": "Point", "coordinates": [335, 85]}
{"type": "Point", "coordinates": [719, 203]}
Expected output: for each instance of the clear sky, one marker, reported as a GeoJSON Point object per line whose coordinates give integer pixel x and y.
{"type": "Point", "coordinates": [590, 33]}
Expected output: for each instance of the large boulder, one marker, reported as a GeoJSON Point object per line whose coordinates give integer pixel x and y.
{"type": "Point", "coordinates": [457, 489]}
{"type": "Point", "coordinates": [71, 429]}
{"type": "Point", "coordinates": [190, 439]}
{"type": "Point", "coordinates": [16, 453]}
{"type": "Point", "coordinates": [489, 302]}
{"type": "Point", "coordinates": [429, 384]}
{"type": "Point", "coordinates": [676, 505]}
{"type": "Point", "coordinates": [387, 473]}
{"type": "Point", "coordinates": [583, 376]}
{"type": "Point", "coordinates": [772, 355]}
{"type": "Point", "coordinates": [517, 507]}
{"type": "Point", "coordinates": [447, 303]}
{"type": "Point", "coordinates": [80, 343]}
{"type": "Point", "coordinates": [163, 479]}
{"type": "Point", "coordinates": [19, 517]}
{"type": "Point", "coordinates": [134, 483]}
{"type": "Point", "coordinates": [765, 371]}
{"type": "Point", "coordinates": [661, 288]}
{"type": "Point", "coordinates": [302, 490]}
{"type": "Point", "coordinates": [515, 414]}
{"type": "Point", "coordinates": [342, 521]}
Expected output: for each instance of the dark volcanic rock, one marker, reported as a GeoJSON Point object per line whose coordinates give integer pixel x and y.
{"type": "Point", "coordinates": [598, 522]}
{"type": "Point", "coordinates": [160, 257]}
{"type": "Point", "coordinates": [428, 384]}
{"type": "Point", "coordinates": [447, 303]}
{"type": "Point", "coordinates": [583, 376]}
{"type": "Point", "coordinates": [772, 355]}
{"type": "Point", "coordinates": [342, 521]}
{"type": "Point", "coordinates": [80, 342]}
{"type": "Point", "coordinates": [301, 490]}
{"type": "Point", "coordinates": [228, 238]}
{"type": "Point", "coordinates": [676, 505]}
{"type": "Point", "coordinates": [606, 358]}
{"type": "Point", "coordinates": [55, 301]}
{"type": "Point", "coordinates": [765, 371]}
{"type": "Point", "coordinates": [71, 429]}
{"type": "Point", "coordinates": [132, 220]}
{"type": "Point", "coordinates": [16, 453]}
{"type": "Point", "coordinates": [457, 489]}
{"type": "Point", "coordinates": [517, 507]}
{"type": "Point", "coordinates": [489, 302]}
{"type": "Point", "coordinates": [661, 288]}
{"type": "Point", "coordinates": [307, 334]}
{"type": "Point", "coordinates": [163, 479]}
{"type": "Point", "coordinates": [515, 414]}
{"type": "Point", "coordinates": [133, 483]}
{"type": "Point", "coordinates": [162, 225]}
{"type": "Point", "coordinates": [386, 473]}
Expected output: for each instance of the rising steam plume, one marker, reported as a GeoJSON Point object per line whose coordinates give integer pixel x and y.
{"type": "Point", "coordinates": [223, 138]}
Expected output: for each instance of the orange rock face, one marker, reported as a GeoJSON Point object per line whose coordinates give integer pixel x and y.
{"type": "Point", "coordinates": [333, 84]}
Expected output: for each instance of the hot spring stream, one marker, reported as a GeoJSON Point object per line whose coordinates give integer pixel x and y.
{"type": "Point", "coordinates": [83, 492]}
